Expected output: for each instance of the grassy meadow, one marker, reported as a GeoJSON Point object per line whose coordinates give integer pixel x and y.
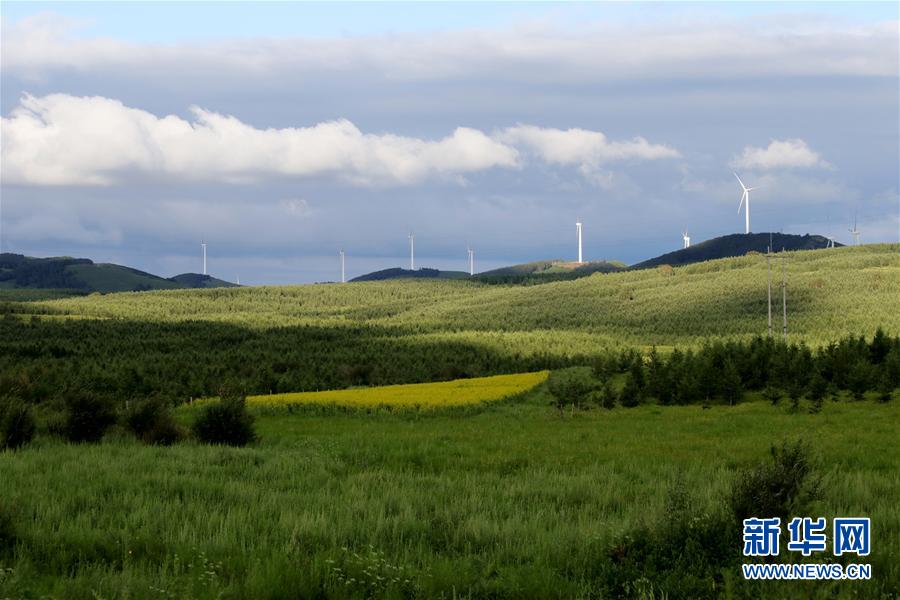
{"type": "Point", "coordinates": [511, 498]}
{"type": "Point", "coordinates": [514, 501]}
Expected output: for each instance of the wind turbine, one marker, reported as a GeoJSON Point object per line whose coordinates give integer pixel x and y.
{"type": "Point", "coordinates": [471, 254]}
{"type": "Point", "coordinates": [854, 232]}
{"type": "Point", "coordinates": [745, 199]}
{"type": "Point", "coordinates": [203, 245]}
{"type": "Point", "coordinates": [578, 230]}
{"type": "Point", "coordinates": [412, 252]}
{"type": "Point", "coordinates": [686, 238]}
{"type": "Point", "coordinates": [343, 277]}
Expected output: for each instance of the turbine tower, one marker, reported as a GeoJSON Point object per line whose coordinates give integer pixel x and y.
{"type": "Point", "coordinates": [854, 232]}
{"type": "Point", "coordinates": [745, 199]}
{"type": "Point", "coordinates": [343, 276]}
{"type": "Point", "coordinates": [686, 238]}
{"type": "Point", "coordinates": [412, 252]}
{"type": "Point", "coordinates": [471, 254]}
{"type": "Point", "coordinates": [203, 245]}
{"type": "Point", "coordinates": [578, 230]}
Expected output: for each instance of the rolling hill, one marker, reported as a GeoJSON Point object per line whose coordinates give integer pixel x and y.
{"type": "Point", "coordinates": [544, 271]}
{"type": "Point", "coordinates": [398, 273]}
{"type": "Point", "coordinates": [719, 298]}
{"type": "Point", "coordinates": [737, 244]}
{"type": "Point", "coordinates": [84, 275]}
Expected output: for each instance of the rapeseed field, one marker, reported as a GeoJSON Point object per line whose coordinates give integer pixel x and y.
{"type": "Point", "coordinates": [428, 396]}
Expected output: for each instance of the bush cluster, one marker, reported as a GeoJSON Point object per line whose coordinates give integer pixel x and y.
{"type": "Point", "coordinates": [17, 424]}
{"type": "Point", "coordinates": [151, 421]}
{"type": "Point", "coordinates": [226, 423]}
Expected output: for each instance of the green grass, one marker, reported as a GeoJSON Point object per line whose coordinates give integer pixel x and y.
{"type": "Point", "coordinates": [513, 501]}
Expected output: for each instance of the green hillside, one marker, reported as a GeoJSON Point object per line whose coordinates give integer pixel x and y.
{"type": "Point", "coordinates": [196, 280]}
{"type": "Point", "coordinates": [84, 275]}
{"type": "Point", "coordinates": [831, 293]}
{"type": "Point", "coordinates": [399, 273]}
{"type": "Point", "coordinates": [545, 271]}
{"type": "Point", "coordinates": [737, 244]}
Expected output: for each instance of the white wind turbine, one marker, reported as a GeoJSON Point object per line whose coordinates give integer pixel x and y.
{"type": "Point", "coordinates": [578, 230]}
{"type": "Point", "coordinates": [343, 276]}
{"type": "Point", "coordinates": [471, 255]}
{"type": "Point", "coordinates": [412, 252]}
{"type": "Point", "coordinates": [686, 238]}
{"type": "Point", "coordinates": [203, 245]}
{"type": "Point", "coordinates": [854, 232]}
{"type": "Point", "coordinates": [745, 199]}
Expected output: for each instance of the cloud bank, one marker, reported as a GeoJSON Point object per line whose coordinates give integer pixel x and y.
{"type": "Point", "coordinates": [61, 139]}
{"type": "Point", "coordinates": [786, 45]}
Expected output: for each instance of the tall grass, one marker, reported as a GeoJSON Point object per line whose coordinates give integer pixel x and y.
{"type": "Point", "coordinates": [512, 502]}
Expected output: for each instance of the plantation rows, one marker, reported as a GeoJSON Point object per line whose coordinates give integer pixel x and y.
{"type": "Point", "coordinates": [831, 293]}
{"type": "Point", "coordinates": [44, 360]}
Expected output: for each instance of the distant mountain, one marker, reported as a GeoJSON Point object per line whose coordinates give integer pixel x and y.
{"type": "Point", "coordinates": [544, 271]}
{"type": "Point", "coordinates": [398, 273]}
{"type": "Point", "coordinates": [737, 244]}
{"type": "Point", "coordinates": [82, 274]}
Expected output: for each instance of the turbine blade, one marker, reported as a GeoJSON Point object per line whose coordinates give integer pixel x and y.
{"type": "Point", "coordinates": [744, 187]}
{"type": "Point", "coordinates": [741, 205]}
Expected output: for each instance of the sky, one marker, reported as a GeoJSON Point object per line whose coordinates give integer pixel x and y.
{"type": "Point", "coordinates": [281, 133]}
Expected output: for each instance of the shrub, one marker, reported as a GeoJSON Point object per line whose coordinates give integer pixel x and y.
{"type": "Point", "coordinates": [779, 488]}
{"type": "Point", "coordinates": [772, 394]}
{"type": "Point", "coordinates": [16, 424]}
{"type": "Point", "coordinates": [87, 417]}
{"type": "Point", "coordinates": [631, 394]}
{"type": "Point", "coordinates": [732, 388]}
{"type": "Point", "coordinates": [152, 422]}
{"type": "Point", "coordinates": [608, 395]}
{"type": "Point", "coordinates": [571, 387]}
{"type": "Point", "coordinates": [226, 422]}
{"type": "Point", "coordinates": [885, 388]}
{"type": "Point", "coordinates": [7, 527]}
{"type": "Point", "coordinates": [684, 553]}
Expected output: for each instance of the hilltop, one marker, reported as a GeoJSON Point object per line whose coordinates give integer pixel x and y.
{"type": "Point", "coordinates": [736, 244]}
{"type": "Point", "coordinates": [398, 273]}
{"type": "Point", "coordinates": [84, 275]}
{"type": "Point", "coordinates": [544, 271]}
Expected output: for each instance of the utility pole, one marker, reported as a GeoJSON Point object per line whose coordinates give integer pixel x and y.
{"type": "Point", "coordinates": [769, 267]}
{"type": "Point", "coordinates": [783, 298]}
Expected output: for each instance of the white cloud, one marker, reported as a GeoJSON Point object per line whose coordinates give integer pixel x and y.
{"type": "Point", "coordinates": [581, 146]}
{"type": "Point", "coordinates": [779, 154]}
{"type": "Point", "coordinates": [66, 140]}
{"type": "Point", "coordinates": [585, 149]}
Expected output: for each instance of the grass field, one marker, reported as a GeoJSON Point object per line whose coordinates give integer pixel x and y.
{"type": "Point", "coordinates": [514, 501]}
{"type": "Point", "coordinates": [508, 499]}
{"type": "Point", "coordinates": [426, 396]}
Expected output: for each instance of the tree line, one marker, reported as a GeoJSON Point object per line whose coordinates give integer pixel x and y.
{"type": "Point", "coordinates": [725, 371]}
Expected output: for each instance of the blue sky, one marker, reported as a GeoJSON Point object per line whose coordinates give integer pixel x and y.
{"type": "Point", "coordinates": [168, 22]}
{"type": "Point", "coordinates": [282, 132]}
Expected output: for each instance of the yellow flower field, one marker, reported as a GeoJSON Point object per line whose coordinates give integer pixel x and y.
{"type": "Point", "coordinates": [459, 392]}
